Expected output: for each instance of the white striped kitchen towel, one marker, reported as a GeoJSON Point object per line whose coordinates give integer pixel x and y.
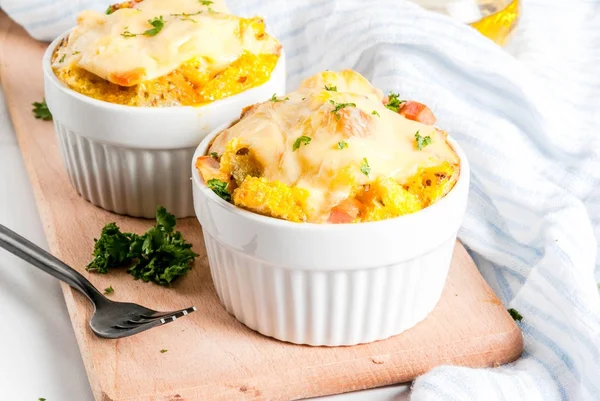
{"type": "Point", "coordinates": [529, 122]}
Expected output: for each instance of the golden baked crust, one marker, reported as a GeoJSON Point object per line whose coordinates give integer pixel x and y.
{"type": "Point", "coordinates": [353, 158]}
{"type": "Point", "coordinates": [128, 57]}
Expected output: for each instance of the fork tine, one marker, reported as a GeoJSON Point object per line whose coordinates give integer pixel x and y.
{"type": "Point", "coordinates": [163, 317]}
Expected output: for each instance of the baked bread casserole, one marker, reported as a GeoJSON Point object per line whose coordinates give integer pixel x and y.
{"type": "Point", "coordinates": [165, 53]}
{"type": "Point", "coordinates": [334, 151]}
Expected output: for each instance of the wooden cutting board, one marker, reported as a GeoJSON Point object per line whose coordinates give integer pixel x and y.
{"type": "Point", "coordinates": [211, 356]}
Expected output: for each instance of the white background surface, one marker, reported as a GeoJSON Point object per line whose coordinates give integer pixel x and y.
{"type": "Point", "coordinates": [40, 357]}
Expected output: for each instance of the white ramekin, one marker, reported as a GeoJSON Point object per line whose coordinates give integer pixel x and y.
{"type": "Point", "coordinates": [329, 284]}
{"type": "Point", "coordinates": [129, 159]}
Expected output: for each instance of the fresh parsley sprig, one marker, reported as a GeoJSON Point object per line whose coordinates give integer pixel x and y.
{"type": "Point", "coordinates": [301, 140]}
{"type": "Point", "coordinates": [422, 141]}
{"type": "Point", "coordinates": [394, 102]}
{"type": "Point", "coordinates": [158, 23]}
{"type": "Point", "coordinates": [340, 106]}
{"type": "Point", "coordinates": [365, 168]}
{"type": "Point", "coordinates": [220, 188]}
{"type": "Point", "coordinates": [515, 314]}
{"type": "Point", "coordinates": [160, 255]}
{"type": "Point", "coordinates": [41, 111]}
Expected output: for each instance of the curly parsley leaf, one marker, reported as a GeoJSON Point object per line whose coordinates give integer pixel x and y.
{"type": "Point", "coordinates": [220, 188]}
{"type": "Point", "coordinates": [339, 106]}
{"type": "Point", "coordinates": [515, 314]}
{"type": "Point", "coordinates": [40, 110]}
{"type": "Point", "coordinates": [157, 23]}
{"type": "Point", "coordinates": [365, 168]}
{"type": "Point", "coordinates": [342, 145]}
{"type": "Point", "coordinates": [301, 140]}
{"type": "Point", "coordinates": [331, 88]}
{"type": "Point", "coordinates": [394, 102]}
{"type": "Point", "coordinates": [160, 255]}
{"type": "Point", "coordinates": [422, 141]}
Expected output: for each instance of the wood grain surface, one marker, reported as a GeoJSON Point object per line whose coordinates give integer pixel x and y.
{"type": "Point", "coordinates": [211, 356]}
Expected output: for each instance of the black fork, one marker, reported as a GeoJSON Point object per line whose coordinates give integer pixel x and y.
{"type": "Point", "coordinates": [110, 319]}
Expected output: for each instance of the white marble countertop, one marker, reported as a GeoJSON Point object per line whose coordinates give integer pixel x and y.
{"type": "Point", "coordinates": [40, 358]}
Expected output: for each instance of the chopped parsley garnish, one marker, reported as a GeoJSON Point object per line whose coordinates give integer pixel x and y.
{"type": "Point", "coordinates": [515, 314]}
{"type": "Point", "coordinates": [220, 188]}
{"type": "Point", "coordinates": [40, 110]}
{"type": "Point", "coordinates": [76, 52]}
{"type": "Point", "coordinates": [339, 106]}
{"type": "Point", "coordinates": [109, 290]}
{"type": "Point", "coordinates": [274, 98]}
{"type": "Point", "coordinates": [301, 140]}
{"type": "Point", "coordinates": [214, 155]}
{"type": "Point", "coordinates": [365, 168]}
{"type": "Point", "coordinates": [342, 144]}
{"type": "Point", "coordinates": [62, 59]}
{"type": "Point", "coordinates": [109, 10]}
{"type": "Point", "coordinates": [160, 255]}
{"type": "Point", "coordinates": [375, 113]}
{"type": "Point", "coordinates": [162, 351]}
{"type": "Point", "coordinates": [394, 102]}
{"type": "Point", "coordinates": [206, 2]}
{"type": "Point", "coordinates": [157, 23]}
{"type": "Point", "coordinates": [186, 16]}
{"type": "Point", "coordinates": [331, 88]}
{"type": "Point", "coordinates": [422, 141]}
{"type": "Point", "coordinates": [41, 399]}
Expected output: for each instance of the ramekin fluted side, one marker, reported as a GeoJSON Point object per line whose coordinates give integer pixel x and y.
{"type": "Point", "coordinates": [126, 180]}
{"type": "Point", "coordinates": [338, 307]}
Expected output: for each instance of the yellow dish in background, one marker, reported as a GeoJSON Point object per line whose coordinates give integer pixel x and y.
{"type": "Point", "coordinates": [159, 53]}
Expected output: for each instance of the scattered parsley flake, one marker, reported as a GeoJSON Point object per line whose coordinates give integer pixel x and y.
{"type": "Point", "coordinates": [515, 314]}
{"type": "Point", "coordinates": [214, 155]}
{"type": "Point", "coordinates": [41, 399]}
{"type": "Point", "coordinates": [76, 52]}
{"type": "Point", "coordinates": [160, 255]}
{"type": "Point", "coordinates": [301, 140]}
{"type": "Point", "coordinates": [162, 351]}
{"type": "Point", "coordinates": [342, 144]}
{"type": "Point", "coordinates": [274, 98]}
{"type": "Point", "coordinates": [157, 23]}
{"type": "Point", "coordinates": [206, 2]}
{"type": "Point", "coordinates": [422, 141]}
{"type": "Point", "coordinates": [41, 111]}
{"type": "Point", "coordinates": [62, 59]}
{"type": "Point", "coordinates": [186, 16]}
{"type": "Point", "coordinates": [109, 10]}
{"type": "Point", "coordinates": [339, 106]}
{"type": "Point", "coordinates": [331, 88]}
{"type": "Point", "coordinates": [365, 168]}
{"type": "Point", "coordinates": [127, 34]}
{"type": "Point", "coordinates": [394, 102]}
{"type": "Point", "coordinates": [220, 188]}
{"type": "Point", "coordinates": [109, 290]}
{"type": "Point", "coordinates": [375, 113]}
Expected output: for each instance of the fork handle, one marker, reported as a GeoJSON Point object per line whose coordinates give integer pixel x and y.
{"type": "Point", "coordinates": [30, 252]}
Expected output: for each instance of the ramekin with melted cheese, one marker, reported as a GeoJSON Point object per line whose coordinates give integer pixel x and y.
{"type": "Point", "coordinates": [134, 91]}
{"type": "Point", "coordinates": [165, 53]}
{"type": "Point", "coordinates": [335, 150]}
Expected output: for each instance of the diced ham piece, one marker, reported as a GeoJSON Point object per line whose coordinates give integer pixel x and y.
{"type": "Point", "coordinates": [417, 112]}
{"type": "Point", "coordinates": [345, 212]}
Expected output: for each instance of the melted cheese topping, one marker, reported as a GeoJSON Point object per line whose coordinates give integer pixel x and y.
{"type": "Point", "coordinates": [122, 48]}
{"type": "Point", "coordinates": [354, 141]}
